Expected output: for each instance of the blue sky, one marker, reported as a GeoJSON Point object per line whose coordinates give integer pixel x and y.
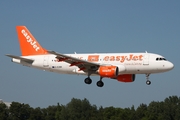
{"type": "Point", "coordinates": [89, 27]}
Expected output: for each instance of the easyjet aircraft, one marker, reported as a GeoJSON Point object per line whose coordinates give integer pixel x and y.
{"type": "Point", "coordinates": [118, 66]}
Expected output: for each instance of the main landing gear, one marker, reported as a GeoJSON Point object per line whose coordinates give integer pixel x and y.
{"type": "Point", "coordinates": [89, 81]}
{"type": "Point", "coordinates": [148, 82]}
{"type": "Point", "coordinates": [100, 83]}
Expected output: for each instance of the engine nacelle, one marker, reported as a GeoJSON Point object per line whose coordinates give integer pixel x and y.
{"type": "Point", "coordinates": [126, 78]}
{"type": "Point", "coordinates": [108, 71]}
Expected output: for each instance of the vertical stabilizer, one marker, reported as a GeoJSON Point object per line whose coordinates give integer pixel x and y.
{"type": "Point", "coordinates": [28, 44]}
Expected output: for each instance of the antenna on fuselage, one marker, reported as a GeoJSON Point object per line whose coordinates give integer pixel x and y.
{"type": "Point", "coordinates": [146, 52]}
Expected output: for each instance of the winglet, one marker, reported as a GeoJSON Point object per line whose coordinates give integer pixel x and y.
{"type": "Point", "coordinates": [28, 44]}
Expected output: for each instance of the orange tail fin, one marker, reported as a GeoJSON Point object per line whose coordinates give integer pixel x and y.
{"type": "Point", "coordinates": [28, 44]}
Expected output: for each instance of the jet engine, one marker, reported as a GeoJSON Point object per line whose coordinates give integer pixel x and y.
{"type": "Point", "coordinates": [108, 71]}
{"type": "Point", "coordinates": [126, 78]}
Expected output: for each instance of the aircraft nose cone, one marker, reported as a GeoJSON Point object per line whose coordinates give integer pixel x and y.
{"type": "Point", "coordinates": [170, 66]}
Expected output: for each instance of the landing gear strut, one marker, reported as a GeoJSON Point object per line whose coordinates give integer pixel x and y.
{"type": "Point", "coordinates": [148, 82]}
{"type": "Point", "coordinates": [100, 83]}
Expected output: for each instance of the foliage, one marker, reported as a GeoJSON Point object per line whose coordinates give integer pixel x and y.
{"type": "Point", "coordinates": [77, 109]}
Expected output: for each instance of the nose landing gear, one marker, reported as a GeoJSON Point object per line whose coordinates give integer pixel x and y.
{"type": "Point", "coordinates": [148, 82]}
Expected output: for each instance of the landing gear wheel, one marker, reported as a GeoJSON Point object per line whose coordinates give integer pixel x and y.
{"type": "Point", "coordinates": [100, 84]}
{"type": "Point", "coordinates": [88, 80]}
{"type": "Point", "coordinates": [148, 82]}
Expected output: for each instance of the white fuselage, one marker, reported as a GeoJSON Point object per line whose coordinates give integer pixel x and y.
{"type": "Point", "coordinates": [130, 63]}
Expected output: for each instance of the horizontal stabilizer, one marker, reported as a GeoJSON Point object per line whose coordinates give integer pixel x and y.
{"type": "Point", "coordinates": [21, 58]}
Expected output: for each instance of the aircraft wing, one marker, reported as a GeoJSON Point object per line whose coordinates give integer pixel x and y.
{"type": "Point", "coordinates": [21, 58]}
{"type": "Point", "coordinates": [82, 64]}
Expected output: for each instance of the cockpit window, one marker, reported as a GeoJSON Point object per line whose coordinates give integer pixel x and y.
{"type": "Point", "coordinates": [160, 59]}
{"type": "Point", "coordinates": [164, 59]}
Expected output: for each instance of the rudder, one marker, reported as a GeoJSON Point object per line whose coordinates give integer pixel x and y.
{"type": "Point", "coordinates": [28, 44]}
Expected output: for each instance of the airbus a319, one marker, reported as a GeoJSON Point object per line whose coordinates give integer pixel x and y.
{"type": "Point", "coordinates": [117, 66]}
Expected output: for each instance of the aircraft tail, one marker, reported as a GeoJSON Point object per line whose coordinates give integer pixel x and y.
{"type": "Point", "coordinates": [28, 44]}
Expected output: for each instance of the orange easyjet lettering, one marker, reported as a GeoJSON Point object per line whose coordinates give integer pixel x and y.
{"type": "Point", "coordinates": [118, 58]}
{"type": "Point", "coordinates": [106, 58]}
{"type": "Point", "coordinates": [112, 58]}
{"type": "Point", "coordinates": [123, 59]}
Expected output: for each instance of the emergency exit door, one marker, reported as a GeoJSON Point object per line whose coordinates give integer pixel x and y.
{"type": "Point", "coordinates": [45, 61]}
{"type": "Point", "coordinates": [146, 59]}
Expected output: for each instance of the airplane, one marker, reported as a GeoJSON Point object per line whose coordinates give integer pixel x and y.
{"type": "Point", "coordinates": [122, 67]}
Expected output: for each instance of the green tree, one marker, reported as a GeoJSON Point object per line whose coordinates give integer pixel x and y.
{"type": "Point", "coordinates": [141, 112]}
{"type": "Point", "coordinates": [125, 114]}
{"type": "Point", "coordinates": [171, 107]}
{"type": "Point", "coordinates": [109, 112]}
{"type": "Point", "coordinates": [64, 114]}
{"type": "Point", "coordinates": [78, 109]}
{"type": "Point", "coordinates": [4, 112]}
{"type": "Point", "coordinates": [58, 112]}
{"type": "Point", "coordinates": [49, 113]}
{"type": "Point", "coordinates": [132, 115]}
{"type": "Point", "coordinates": [99, 114]}
{"type": "Point", "coordinates": [36, 114]}
{"type": "Point", "coordinates": [18, 111]}
{"type": "Point", "coordinates": [155, 110]}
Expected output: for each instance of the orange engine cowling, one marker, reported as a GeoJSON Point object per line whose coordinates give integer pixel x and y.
{"type": "Point", "coordinates": [108, 71]}
{"type": "Point", "coordinates": [126, 78]}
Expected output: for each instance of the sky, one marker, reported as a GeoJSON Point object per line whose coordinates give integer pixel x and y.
{"type": "Point", "coordinates": [82, 26]}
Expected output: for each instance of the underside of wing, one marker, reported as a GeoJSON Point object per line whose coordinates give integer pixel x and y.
{"type": "Point", "coordinates": [82, 64]}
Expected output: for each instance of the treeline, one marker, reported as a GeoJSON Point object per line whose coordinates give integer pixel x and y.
{"type": "Point", "coordinates": [77, 109]}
